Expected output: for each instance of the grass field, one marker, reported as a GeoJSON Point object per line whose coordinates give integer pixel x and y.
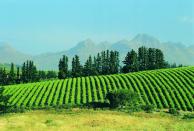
{"type": "Point", "coordinates": [83, 119]}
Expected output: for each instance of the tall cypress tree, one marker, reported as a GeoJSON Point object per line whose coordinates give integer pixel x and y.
{"type": "Point", "coordinates": [99, 64]}
{"type": "Point", "coordinates": [113, 61]}
{"type": "Point", "coordinates": [117, 62]}
{"type": "Point", "coordinates": [29, 72]}
{"type": "Point", "coordinates": [24, 73]}
{"type": "Point", "coordinates": [4, 77]}
{"type": "Point", "coordinates": [76, 67]}
{"type": "Point", "coordinates": [1, 76]}
{"type": "Point", "coordinates": [86, 68]}
{"type": "Point", "coordinates": [151, 58]}
{"type": "Point", "coordinates": [143, 58]}
{"type": "Point", "coordinates": [160, 62]}
{"type": "Point", "coordinates": [107, 63]}
{"type": "Point", "coordinates": [89, 69]}
{"type": "Point", "coordinates": [18, 75]}
{"type": "Point", "coordinates": [73, 71]}
{"type": "Point", "coordinates": [60, 73]}
{"type": "Point", "coordinates": [94, 66]}
{"type": "Point", "coordinates": [12, 74]}
{"type": "Point", "coordinates": [63, 68]}
{"type": "Point", "coordinates": [103, 61]}
{"type": "Point", "coordinates": [34, 73]}
{"type": "Point", "coordinates": [130, 62]}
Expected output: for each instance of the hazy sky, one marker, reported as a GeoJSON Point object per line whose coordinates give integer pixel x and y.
{"type": "Point", "coordinates": [51, 25]}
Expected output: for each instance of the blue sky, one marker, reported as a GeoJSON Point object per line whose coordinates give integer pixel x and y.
{"type": "Point", "coordinates": [38, 26]}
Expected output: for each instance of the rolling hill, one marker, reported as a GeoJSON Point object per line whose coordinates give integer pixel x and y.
{"type": "Point", "coordinates": [163, 88]}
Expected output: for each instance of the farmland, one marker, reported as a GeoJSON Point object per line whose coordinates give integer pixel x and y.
{"type": "Point", "coordinates": [164, 88]}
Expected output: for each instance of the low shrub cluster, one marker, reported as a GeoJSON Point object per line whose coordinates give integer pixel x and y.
{"type": "Point", "coordinates": [188, 116]}
{"type": "Point", "coordinates": [173, 111]}
{"type": "Point", "coordinates": [128, 101]}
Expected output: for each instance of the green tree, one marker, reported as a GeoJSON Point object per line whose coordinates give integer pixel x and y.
{"type": "Point", "coordinates": [76, 67]}
{"type": "Point", "coordinates": [151, 58]}
{"type": "Point", "coordinates": [42, 75]}
{"type": "Point", "coordinates": [12, 74]}
{"type": "Point", "coordinates": [88, 69]}
{"type": "Point", "coordinates": [143, 58]}
{"type": "Point", "coordinates": [98, 65]}
{"type": "Point", "coordinates": [95, 66]}
{"type": "Point", "coordinates": [122, 99]}
{"type": "Point", "coordinates": [24, 74]}
{"type": "Point", "coordinates": [4, 101]}
{"type": "Point", "coordinates": [18, 75]}
{"type": "Point", "coordinates": [29, 72]}
{"type": "Point", "coordinates": [113, 62]}
{"type": "Point", "coordinates": [160, 62]}
{"type": "Point", "coordinates": [3, 77]}
{"type": "Point", "coordinates": [51, 75]}
{"type": "Point", "coordinates": [130, 62]}
{"type": "Point", "coordinates": [63, 68]}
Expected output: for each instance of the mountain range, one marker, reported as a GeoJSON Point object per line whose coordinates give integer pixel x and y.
{"type": "Point", "coordinates": [173, 52]}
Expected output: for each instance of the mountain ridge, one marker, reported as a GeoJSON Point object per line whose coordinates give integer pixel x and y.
{"type": "Point", "coordinates": [87, 47]}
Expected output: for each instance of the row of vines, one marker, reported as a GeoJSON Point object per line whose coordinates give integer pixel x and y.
{"type": "Point", "coordinates": [163, 88]}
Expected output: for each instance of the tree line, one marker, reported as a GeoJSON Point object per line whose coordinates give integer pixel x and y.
{"type": "Point", "coordinates": [107, 62]}
{"type": "Point", "coordinates": [27, 73]}
{"type": "Point", "coordinates": [104, 63]}
{"type": "Point", "coordinates": [144, 59]}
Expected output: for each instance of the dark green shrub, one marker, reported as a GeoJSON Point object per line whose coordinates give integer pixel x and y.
{"type": "Point", "coordinates": [173, 111]}
{"type": "Point", "coordinates": [122, 99]}
{"type": "Point", "coordinates": [188, 116]}
{"type": "Point", "coordinates": [98, 105]}
{"type": "Point", "coordinates": [4, 101]}
{"type": "Point", "coordinates": [17, 109]}
{"type": "Point", "coordinates": [148, 108]}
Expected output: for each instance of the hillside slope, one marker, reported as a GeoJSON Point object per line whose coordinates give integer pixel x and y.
{"type": "Point", "coordinates": [163, 88]}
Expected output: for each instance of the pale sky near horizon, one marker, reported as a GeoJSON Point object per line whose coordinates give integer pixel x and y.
{"type": "Point", "coordinates": [39, 26]}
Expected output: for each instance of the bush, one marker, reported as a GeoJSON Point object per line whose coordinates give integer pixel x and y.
{"type": "Point", "coordinates": [173, 111]}
{"type": "Point", "coordinates": [16, 109]}
{"type": "Point", "coordinates": [97, 105]}
{"type": "Point", "coordinates": [4, 101]}
{"type": "Point", "coordinates": [148, 108]}
{"type": "Point", "coordinates": [188, 116]}
{"type": "Point", "coordinates": [122, 99]}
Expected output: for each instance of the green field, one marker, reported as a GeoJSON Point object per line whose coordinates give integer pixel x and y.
{"type": "Point", "coordinates": [89, 120]}
{"type": "Point", "coordinates": [163, 88]}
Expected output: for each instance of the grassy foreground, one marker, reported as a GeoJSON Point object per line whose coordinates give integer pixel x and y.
{"type": "Point", "coordinates": [82, 119]}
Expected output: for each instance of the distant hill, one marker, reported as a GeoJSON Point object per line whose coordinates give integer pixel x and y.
{"type": "Point", "coordinates": [8, 54]}
{"type": "Point", "coordinates": [174, 52]}
{"type": "Point", "coordinates": [8, 67]}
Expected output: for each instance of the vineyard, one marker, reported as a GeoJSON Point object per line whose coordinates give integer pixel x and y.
{"type": "Point", "coordinates": [163, 88]}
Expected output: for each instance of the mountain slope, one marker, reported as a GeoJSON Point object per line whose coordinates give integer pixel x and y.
{"type": "Point", "coordinates": [8, 54]}
{"type": "Point", "coordinates": [83, 49]}
{"type": "Point", "coordinates": [174, 52]}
